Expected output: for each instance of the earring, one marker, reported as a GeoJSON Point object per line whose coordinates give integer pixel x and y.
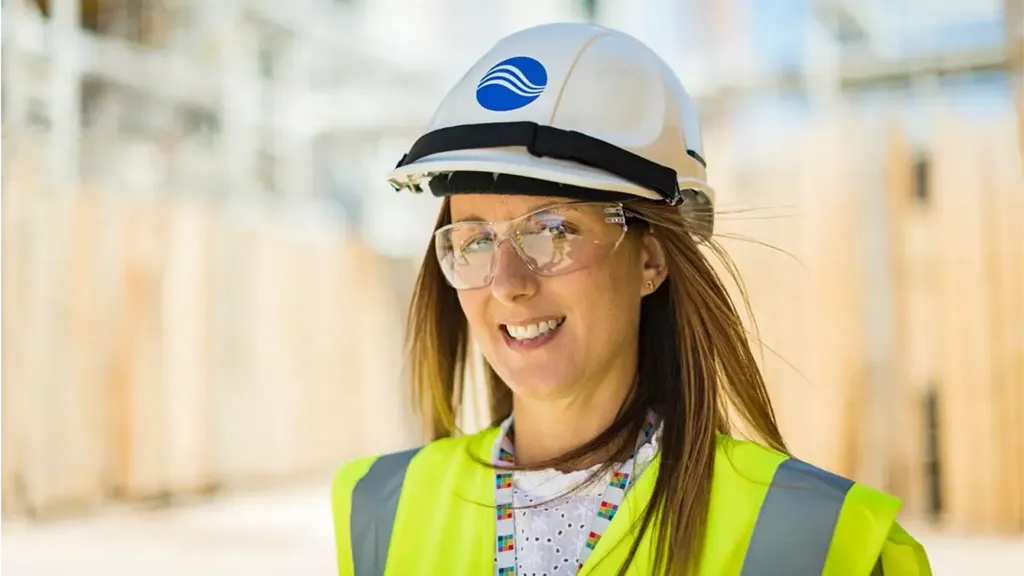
{"type": "Point", "coordinates": [650, 286]}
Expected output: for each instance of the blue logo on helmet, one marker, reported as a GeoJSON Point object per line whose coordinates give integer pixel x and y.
{"type": "Point", "coordinates": [512, 84]}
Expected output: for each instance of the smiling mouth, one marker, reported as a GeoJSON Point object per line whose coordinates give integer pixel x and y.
{"type": "Point", "coordinates": [526, 332]}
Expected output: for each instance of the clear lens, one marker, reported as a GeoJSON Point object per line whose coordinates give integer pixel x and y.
{"type": "Point", "coordinates": [555, 240]}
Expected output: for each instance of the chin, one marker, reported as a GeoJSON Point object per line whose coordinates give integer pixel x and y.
{"type": "Point", "coordinates": [537, 382]}
{"type": "Point", "coordinates": [540, 390]}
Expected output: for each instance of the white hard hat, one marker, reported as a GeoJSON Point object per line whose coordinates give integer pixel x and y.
{"type": "Point", "coordinates": [590, 109]}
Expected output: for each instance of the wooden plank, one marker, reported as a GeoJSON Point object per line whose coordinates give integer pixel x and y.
{"type": "Point", "coordinates": [63, 454]}
{"type": "Point", "coordinates": [380, 326]}
{"type": "Point", "coordinates": [236, 425]}
{"type": "Point", "coordinates": [1013, 287]}
{"type": "Point", "coordinates": [726, 179]}
{"type": "Point", "coordinates": [810, 302]}
{"type": "Point", "coordinates": [803, 287]}
{"type": "Point", "coordinates": [109, 296]}
{"type": "Point", "coordinates": [355, 431]}
{"type": "Point", "coordinates": [992, 270]}
{"type": "Point", "coordinates": [761, 222]}
{"type": "Point", "coordinates": [84, 338]}
{"type": "Point", "coordinates": [263, 441]}
{"type": "Point", "coordinates": [306, 363]}
{"type": "Point", "coordinates": [969, 462]}
{"type": "Point", "coordinates": [779, 275]}
{"type": "Point", "coordinates": [909, 288]}
{"type": "Point", "coordinates": [227, 257]}
{"type": "Point", "coordinates": [42, 282]}
{"type": "Point", "coordinates": [276, 345]}
{"type": "Point", "coordinates": [124, 328]}
{"type": "Point", "coordinates": [121, 304]}
{"type": "Point", "coordinates": [142, 444]}
{"type": "Point", "coordinates": [1005, 267]}
{"type": "Point", "coordinates": [324, 435]}
{"type": "Point", "coordinates": [781, 322]}
{"type": "Point", "coordinates": [1013, 253]}
{"type": "Point", "coordinates": [184, 311]}
{"type": "Point", "coordinates": [7, 381]}
{"type": "Point", "coordinates": [15, 295]}
{"type": "Point", "coordinates": [286, 392]}
{"type": "Point", "coordinates": [839, 317]}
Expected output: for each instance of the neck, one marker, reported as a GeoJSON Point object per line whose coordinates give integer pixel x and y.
{"type": "Point", "coordinates": [547, 429]}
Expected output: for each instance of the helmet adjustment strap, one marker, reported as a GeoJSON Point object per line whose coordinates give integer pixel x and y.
{"type": "Point", "coordinates": [551, 142]}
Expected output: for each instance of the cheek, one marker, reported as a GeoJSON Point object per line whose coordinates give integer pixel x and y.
{"type": "Point", "coordinates": [470, 302]}
{"type": "Point", "coordinates": [604, 299]}
{"type": "Point", "coordinates": [474, 306]}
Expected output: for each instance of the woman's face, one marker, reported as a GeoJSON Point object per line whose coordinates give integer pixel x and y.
{"type": "Point", "coordinates": [584, 323]}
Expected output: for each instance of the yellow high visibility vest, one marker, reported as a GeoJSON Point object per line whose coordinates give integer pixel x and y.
{"type": "Point", "coordinates": [431, 511]}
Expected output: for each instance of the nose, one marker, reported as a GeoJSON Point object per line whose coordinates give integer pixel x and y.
{"type": "Point", "coordinates": [512, 280]}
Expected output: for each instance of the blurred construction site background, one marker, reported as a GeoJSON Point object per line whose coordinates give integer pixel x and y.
{"type": "Point", "coordinates": [205, 276]}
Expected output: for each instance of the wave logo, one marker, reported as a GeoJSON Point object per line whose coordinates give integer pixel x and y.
{"type": "Point", "coordinates": [512, 84]}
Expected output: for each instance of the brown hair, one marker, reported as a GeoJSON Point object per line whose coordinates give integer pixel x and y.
{"type": "Point", "coordinates": [695, 365]}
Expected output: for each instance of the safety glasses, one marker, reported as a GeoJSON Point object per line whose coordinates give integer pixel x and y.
{"type": "Point", "coordinates": [552, 240]}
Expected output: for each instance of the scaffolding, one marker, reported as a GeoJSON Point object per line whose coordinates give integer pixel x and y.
{"type": "Point", "coordinates": [234, 94]}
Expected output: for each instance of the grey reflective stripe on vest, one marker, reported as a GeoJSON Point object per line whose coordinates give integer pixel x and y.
{"type": "Point", "coordinates": [374, 504]}
{"type": "Point", "coordinates": [794, 527]}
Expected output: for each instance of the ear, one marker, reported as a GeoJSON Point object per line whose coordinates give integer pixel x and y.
{"type": "Point", "coordinates": [652, 260]}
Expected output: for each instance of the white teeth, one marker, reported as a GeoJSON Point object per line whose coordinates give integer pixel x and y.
{"type": "Point", "coordinates": [532, 330]}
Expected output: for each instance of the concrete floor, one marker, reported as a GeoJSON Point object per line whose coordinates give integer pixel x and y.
{"type": "Point", "coordinates": [288, 531]}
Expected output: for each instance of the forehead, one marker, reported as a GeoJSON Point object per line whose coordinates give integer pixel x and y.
{"type": "Point", "coordinates": [492, 207]}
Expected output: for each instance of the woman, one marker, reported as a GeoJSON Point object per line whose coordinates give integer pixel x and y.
{"type": "Point", "coordinates": [567, 249]}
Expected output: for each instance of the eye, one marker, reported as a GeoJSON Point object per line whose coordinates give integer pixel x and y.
{"type": "Point", "coordinates": [476, 245]}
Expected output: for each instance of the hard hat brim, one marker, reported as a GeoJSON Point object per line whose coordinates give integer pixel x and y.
{"type": "Point", "coordinates": [515, 161]}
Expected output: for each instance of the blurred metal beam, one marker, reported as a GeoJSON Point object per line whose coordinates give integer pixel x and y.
{"type": "Point", "coordinates": [175, 77]}
{"type": "Point", "coordinates": [869, 70]}
{"type": "Point", "coordinates": [148, 70]}
{"type": "Point", "coordinates": [166, 75]}
{"type": "Point", "coordinates": [365, 109]}
{"type": "Point", "coordinates": [15, 78]}
{"type": "Point", "coordinates": [336, 33]}
{"type": "Point", "coordinates": [64, 95]}
{"type": "Point", "coordinates": [844, 18]}
{"type": "Point", "coordinates": [1013, 16]}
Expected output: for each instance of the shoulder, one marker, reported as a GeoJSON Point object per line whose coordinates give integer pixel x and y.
{"type": "Point", "coordinates": [755, 464]}
{"type": "Point", "coordinates": [745, 463]}
{"type": "Point", "coordinates": [379, 473]}
{"type": "Point", "coordinates": [793, 495]}
{"type": "Point", "coordinates": [797, 485]}
{"type": "Point", "coordinates": [367, 492]}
